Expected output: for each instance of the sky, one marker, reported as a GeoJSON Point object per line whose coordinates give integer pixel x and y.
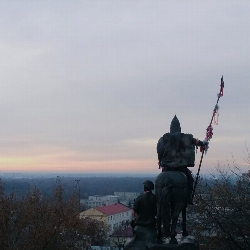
{"type": "Point", "coordinates": [90, 86]}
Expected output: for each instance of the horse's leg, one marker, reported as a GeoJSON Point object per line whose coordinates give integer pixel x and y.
{"type": "Point", "coordinates": [158, 222]}
{"type": "Point", "coordinates": [165, 210]}
{"type": "Point", "coordinates": [166, 218]}
{"type": "Point", "coordinates": [177, 206]}
{"type": "Point", "coordinates": [159, 234]}
{"type": "Point", "coordinates": [184, 219]}
{"type": "Point", "coordinates": [175, 216]}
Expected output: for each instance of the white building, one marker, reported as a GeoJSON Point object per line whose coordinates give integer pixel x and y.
{"type": "Point", "coordinates": [99, 200]}
{"type": "Point", "coordinates": [127, 198]}
{"type": "Point", "coordinates": [128, 195]}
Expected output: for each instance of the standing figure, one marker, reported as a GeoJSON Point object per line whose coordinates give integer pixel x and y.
{"type": "Point", "coordinates": [176, 152]}
{"type": "Point", "coordinates": [145, 206]}
{"type": "Point", "coordinates": [144, 224]}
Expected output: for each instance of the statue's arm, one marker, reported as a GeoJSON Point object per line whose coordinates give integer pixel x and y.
{"type": "Point", "coordinates": [197, 142]}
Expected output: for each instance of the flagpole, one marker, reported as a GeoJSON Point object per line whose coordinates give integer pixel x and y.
{"type": "Point", "coordinates": [209, 134]}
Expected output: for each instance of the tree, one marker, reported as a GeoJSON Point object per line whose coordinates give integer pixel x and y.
{"type": "Point", "coordinates": [121, 233]}
{"type": "Point", "coordinates": [34, 222]}
{"type": "Point", "coordinates": [223, 214]}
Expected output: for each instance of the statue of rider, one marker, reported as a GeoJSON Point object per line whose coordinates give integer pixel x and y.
{"type": "Point", "coordinates": [176, 152]}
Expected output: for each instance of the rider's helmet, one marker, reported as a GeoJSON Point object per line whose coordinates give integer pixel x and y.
{"type": "Point", "coordinates": [175, 125]}
{"type": "Point", "coordinates": [148, 185]}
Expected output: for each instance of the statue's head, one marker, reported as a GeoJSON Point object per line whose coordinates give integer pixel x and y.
{"type": "Point", "coordinates": [175, 125]}
{"type": "Point", "coordinates": [148, 185]}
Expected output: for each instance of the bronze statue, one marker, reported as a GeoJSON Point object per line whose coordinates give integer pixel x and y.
{"type": "Point", "coordinates": [176, 152]}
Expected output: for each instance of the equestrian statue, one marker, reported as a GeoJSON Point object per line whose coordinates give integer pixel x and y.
{"type": "Point", "coordinates": [174, 185]}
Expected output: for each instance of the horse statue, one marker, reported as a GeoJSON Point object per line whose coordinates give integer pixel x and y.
{"type": "Point", "coordinates": [171, 192]}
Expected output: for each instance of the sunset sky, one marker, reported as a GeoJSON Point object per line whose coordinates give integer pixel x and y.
{"type": "Point", "coordinates": [90, 86]}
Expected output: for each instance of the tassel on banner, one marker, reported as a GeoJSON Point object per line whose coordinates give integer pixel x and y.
{"type": "Point", "coordinates": [216, 114]}
{"type": "Point", "coordinates": [215, 122]}
{"type": "Point", "coordinates": [209, 133]}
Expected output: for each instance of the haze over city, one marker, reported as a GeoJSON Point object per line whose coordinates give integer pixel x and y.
{"type": "Point", "coordinates": [90, 86]}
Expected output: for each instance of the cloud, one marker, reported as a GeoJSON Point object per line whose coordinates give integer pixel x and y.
{"type": "Point", "coordinates": [101, 81]}
{"type": "Point", "coordinates": [144, 142]}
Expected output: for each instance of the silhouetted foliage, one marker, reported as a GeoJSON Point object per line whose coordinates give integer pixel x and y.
{"type": "Point", "coordinates": [222, 211]}
{"type": "Point", "coordinates": [121, 233]}
{"type": "Point", "coordinates": [35, 222]}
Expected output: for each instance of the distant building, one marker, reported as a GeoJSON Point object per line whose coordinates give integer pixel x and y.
{"type": "Point", "coordinates": [111, 215]}
{"type": "Point", "coordinates": [127, 198]}
{"type": "Point", "coordinates": [127, 195]}
{"type": "Point", "coordinates": [99, 200]}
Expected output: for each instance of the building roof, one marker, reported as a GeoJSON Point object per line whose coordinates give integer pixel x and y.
{"type": "Point", "coordinates": [113, 209]}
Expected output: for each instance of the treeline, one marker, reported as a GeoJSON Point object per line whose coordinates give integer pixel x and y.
{"type": "Point", "coordinates": [86, 185]}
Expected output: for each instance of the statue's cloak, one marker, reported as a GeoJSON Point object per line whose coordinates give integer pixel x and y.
{"type": "Point", "coordinates": [176, 150]}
